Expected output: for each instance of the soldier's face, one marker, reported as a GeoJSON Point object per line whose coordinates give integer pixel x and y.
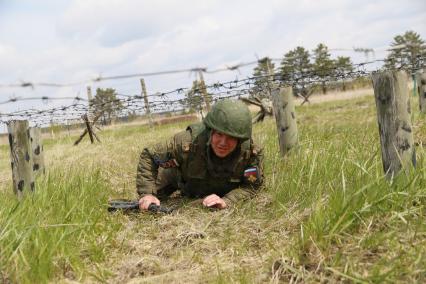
{"type": "Point", "coordinates": [223, 144]}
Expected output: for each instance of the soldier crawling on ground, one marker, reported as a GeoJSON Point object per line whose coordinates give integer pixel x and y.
{"type": "Point", "coordinates": [215, 160]}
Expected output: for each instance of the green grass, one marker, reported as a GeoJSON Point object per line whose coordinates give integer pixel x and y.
{"type": "Point", "coordinates": [57, 230]}
{"type": "Point", "coordinates": [359, 225]}
{"type": "Point", "coordinates": [326, 214]}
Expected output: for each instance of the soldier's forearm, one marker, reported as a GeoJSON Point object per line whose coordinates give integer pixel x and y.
{"type": "Point", "coordinates": [144, 190]}
{"type": "Point", "coordinates": [146, 175]}
{"type": "Point", "coordinates": [238, 194]}
{"type": "Point", "coordinates": [145, 184]}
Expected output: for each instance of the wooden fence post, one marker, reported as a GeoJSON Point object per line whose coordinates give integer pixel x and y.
{"type": "Point", "coordinates": [393, 115]}
{"type": "Point", "coordinates": [204, 90]}
{"type": "Point", "coordinates": [421, 87]}
{"type": "Point", "coordinates": [145, 99]}
{"type": "Point", "coordinates": [269, 82]}
{"type": "Point", "coordinates": [21, 157]}
{"type": "Point", "coordinates": [37, 149]}
{"type": "Point", "coordinates": [89, 98]}
{"type": "Point", "coordinates": [89, 127]}
{"type": "Point", "coordinates": [285, 117]}
{"type": "Point", "coordinates": [89, 93]}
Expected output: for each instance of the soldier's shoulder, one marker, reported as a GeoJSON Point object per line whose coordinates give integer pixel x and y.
{"type": "Point", "coordinates": [196, 129]}
{"type": "Point", "coordinates": [182, 137]}
{"type": "Point", "coordinates": [188, 135]}
{"type": "Point", "coordinates": [255, 144]}
{"type": "Point", "coordinates": [256, 149]}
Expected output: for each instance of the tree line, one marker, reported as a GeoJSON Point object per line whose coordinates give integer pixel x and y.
{"type": "Point", "coordinates": [298, 65]}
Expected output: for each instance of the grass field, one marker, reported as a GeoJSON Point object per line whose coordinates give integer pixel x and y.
{"type": "Point", "coordinates": [326, 214]}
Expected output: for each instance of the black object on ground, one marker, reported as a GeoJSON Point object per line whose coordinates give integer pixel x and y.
{"type": "Point", "coordinates": [133, 205]}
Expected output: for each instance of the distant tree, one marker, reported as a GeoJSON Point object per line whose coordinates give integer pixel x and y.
{"type": "Point", "coordinates": [106, 101]}
{"type": "Point", "coordinates": [323, 65]}
{"type": "Point", "coordinates": [343, 65]}
{"type": "Point", "coordinates": [296, 66]}
{"type": "Point", "coordinates": [405, 49]}
{"type": "Point", "coordinates": [262, 70]}
{"type": "Point", "coordinates": [193, 98]}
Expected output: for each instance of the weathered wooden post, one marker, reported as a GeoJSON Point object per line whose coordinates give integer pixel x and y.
{"type": "Point", "coordinates": [37, 150]}
{"type": "Point", "coordinates": [204, 89]}
{"type": "Point", "coordinates": [21, 156]}
{"type": "Point", "coordinates": [270, 83]}
{"type": "Point", "coordinates": [89, 127]}
{"type": "Point", "coordinates": [68, 127]}
{"type": "Point", "coordinates": [89, 98]}
{"type": "Point", "coordinates": [52, 126]}
{"type": "Point", "coordinates": [393, 115]}
{"type": "Point", "coordinates": [421, 87]}
{"type": "Point", "coordinates": [146, 102]}
{"type": "Point", "coordinates": [285, 117]}
{"type": "Point", "coordinates": [89, 94]}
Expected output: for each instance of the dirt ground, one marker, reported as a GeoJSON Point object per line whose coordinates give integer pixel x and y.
{"type": "Point", "coordinates": [337, 96]}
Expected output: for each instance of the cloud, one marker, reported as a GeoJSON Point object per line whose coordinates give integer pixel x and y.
{"type": "Point", "coordinates": [114, 22]}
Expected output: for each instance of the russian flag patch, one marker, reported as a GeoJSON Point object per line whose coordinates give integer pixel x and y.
{"type": "Point", "coordinates": [251, 174]}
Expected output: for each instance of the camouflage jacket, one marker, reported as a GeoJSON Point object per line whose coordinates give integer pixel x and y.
{"type": "Point", "coordinates": [199, 171]}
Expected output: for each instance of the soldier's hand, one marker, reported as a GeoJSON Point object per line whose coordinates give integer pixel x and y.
{"type": "Point", "coordinates": [145, 201]}
{"type": "Point", "coordinates": [213, 200]}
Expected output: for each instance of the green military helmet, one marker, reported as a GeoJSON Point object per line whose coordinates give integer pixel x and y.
{"type": "Point", "coordinates": [231, 117]}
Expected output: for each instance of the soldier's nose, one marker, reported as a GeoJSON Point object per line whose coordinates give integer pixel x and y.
{"type": "Point", "coordinates": [223, 142]}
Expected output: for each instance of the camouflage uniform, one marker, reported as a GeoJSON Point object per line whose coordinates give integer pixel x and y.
{"type": "Point", "coordinates": [188, 163]}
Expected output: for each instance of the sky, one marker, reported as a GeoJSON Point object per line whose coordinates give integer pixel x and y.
{"type": "Point", "coordinates": [63, 41]}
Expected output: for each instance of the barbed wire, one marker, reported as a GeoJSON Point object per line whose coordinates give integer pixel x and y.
{"type": "Point", "coordinates": [234, 67]}
{"type": "Point", "coordinates": [164, 103]}
{"type": "Point", "coordinates": [77, 98]}
{"type": "Point", "coordinates": [42, 98]}
{"type": "Point", "coordinates": [29, 84]}
{"type": "Point", "coordinates": [179, 99]}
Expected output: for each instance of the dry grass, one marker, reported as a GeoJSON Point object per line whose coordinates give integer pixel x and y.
{"type": "Point", "coordinates": [338, 96]}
